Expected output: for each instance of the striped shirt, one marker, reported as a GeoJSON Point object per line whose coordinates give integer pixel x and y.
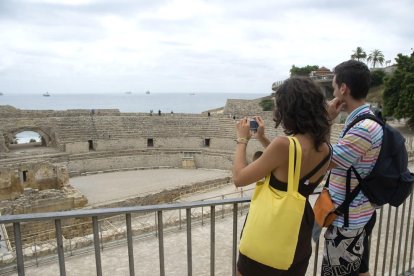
{"type": "Point", "coordinates": [360, 148]}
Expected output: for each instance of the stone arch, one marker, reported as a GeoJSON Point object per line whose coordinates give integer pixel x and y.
{"type": "Point", "coordinates": [46, 135]}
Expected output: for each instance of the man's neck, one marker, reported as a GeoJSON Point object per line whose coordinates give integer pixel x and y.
{"type": "Point", "coordinates": [354, 104]}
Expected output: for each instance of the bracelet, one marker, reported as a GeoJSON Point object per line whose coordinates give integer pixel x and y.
{"type": "Point", "coordinates": [242, 140]}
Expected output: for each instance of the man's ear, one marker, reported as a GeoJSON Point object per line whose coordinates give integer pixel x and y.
{"type": "Point", "coordinates": [343, 89]}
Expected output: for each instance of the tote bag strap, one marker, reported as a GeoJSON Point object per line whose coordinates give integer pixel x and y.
{"type": "Point", "coordinates": [295, 150]}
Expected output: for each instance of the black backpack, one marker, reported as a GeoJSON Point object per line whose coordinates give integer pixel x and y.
{"type": "Point", "coordinates": [390, 181]}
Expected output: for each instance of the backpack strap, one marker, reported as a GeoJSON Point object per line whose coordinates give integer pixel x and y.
{"type": "Point", "coordinates": [343, 209]}
{"type": "Point", "coordinates": [363, 117]}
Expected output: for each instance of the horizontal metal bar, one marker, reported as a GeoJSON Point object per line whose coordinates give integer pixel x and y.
{"type": "Point", "coordinates": [116, 211]}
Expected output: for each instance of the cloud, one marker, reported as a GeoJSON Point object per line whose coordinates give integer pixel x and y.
{"type": "Point", "coordinates": [179, 45]}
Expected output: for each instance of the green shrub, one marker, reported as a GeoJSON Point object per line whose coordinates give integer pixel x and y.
{"type": "Point", "coordinates": [377, 77]}
{"type": "Point", "coordinates": [266, 104]}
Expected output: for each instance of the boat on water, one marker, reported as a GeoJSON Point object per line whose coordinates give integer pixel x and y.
{"type": "Point", "coordinates": [1, 93]}
{"type": "Point", "coordinates": [147, 92]}
{"type": "Point", "coordinates": [128, 92]}
{"type": "Point", "coordinates": [46, 94]}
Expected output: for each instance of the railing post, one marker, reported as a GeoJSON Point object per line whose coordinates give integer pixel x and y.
{"type": "Point", "coordinates": [222, 207]}
{"type": "Point", "coordinates": [400, 239]}
{"type": "Point", "coordinates": [378, 239]}
{"type": "Point", "coordinates": [189, 244]}
{"type": "Point", "coordinates": [161, 242]}
{"type": "Point", "coordinates": [18, 246]}
{"type": "Point", "coordinates": [179, 217]}
{"type": "Point", "coordinates": [130, 245]}
{"type": "Point", "coordinates": [212, 239]}
{"type": "Point", "coordinates": [59, 243]}
{"type": "Point", "coordinates": [241, 204]}
{"type": "Point", "coordinates": [70, 246]}
{"type": "Point", "coordinates": [35, 248]}
{"type": "Point", "coordinates": [100, 235]}
{"type": "Point", "coordinates": [202, 218]}
{"type": "Point", "coordinates": [315, 261]}
{"type": "Point", "coordinates": [156, 224]}
{"type": "Point", "coordinates": [411, 249]}
{"type": "Point", "coordinates": [234, 255]}
{"type": "Point", "coordinates": [393, 239]}
{"type": "Point", "coordinates": [384, 261]}
{"type": "Point", "coordinates": [408, 231]}
{"type": "Point", "coordinates": [96, 244]}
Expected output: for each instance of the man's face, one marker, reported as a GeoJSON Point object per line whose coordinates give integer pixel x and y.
{"type": "Point", "coordinates": [336, 92]}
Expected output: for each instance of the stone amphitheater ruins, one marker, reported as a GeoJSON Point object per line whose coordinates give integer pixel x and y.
{"type": "Point", "coordinates": [85, 142]}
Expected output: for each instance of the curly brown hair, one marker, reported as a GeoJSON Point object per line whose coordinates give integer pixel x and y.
{"type": "Point", "coordinates": [301, 109]}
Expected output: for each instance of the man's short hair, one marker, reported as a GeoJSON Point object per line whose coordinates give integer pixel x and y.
{"type": "Point", "coordinates": [356, 75]}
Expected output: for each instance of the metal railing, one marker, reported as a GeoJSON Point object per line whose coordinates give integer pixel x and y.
{"type": "Point", "coordinates": [391, 244]}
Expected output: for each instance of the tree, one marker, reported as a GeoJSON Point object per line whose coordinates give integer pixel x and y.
{"type": "Point", "coordinates": [266, 104]}
{"type": "Point", "coordinates": [359, 54]}
{"type": "Point", "coordinates": [303, 71]}
{"type": "Point", "coordinates": [398, 94]}
{"type": "Point", "coordinates": [376, 57]}
{"type": "Point", "coordinates": [377, 77]}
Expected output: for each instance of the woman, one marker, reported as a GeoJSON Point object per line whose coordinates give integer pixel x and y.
{"type": "Point", "coordinates": [301, 110]}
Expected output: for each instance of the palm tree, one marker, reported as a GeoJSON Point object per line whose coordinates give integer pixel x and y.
{"type": "Point", "coordinates": [358, 54]}
{"type": "Point", "coordinates": [376, 56]}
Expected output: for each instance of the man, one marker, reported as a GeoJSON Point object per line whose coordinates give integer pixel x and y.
{"type": "Point", "coordinates": [346, 240]}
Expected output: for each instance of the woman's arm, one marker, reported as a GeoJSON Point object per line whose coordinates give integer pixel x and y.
{"type": "Point", "coordinates": [245, 174]}
{"type": "Point", "coordinates": [243, 137]}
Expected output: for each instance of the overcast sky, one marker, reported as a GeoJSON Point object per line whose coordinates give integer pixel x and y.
{"type": "Point", "coordinates": [242, 46]}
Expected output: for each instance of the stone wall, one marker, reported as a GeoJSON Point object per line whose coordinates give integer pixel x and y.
{"type": "Point", "coordinates": [104, 140]}
{"type": "Point", "coordinates": [40, 176]}
{"type": "Point", "coordinates": [241, 108]}
{"type": "Point", "coordinates": [76, 134]}
{"type": "Point", "coordinates": [50, 200]}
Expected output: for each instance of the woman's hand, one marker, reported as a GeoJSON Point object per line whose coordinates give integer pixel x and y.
{"type": "Point", "coordinates": [243, 128]}
{"type": "Point", "coordinates": [260, 133]}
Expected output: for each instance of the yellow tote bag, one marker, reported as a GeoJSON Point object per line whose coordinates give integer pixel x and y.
{"type": "Point", "coordinates": [271, 232]}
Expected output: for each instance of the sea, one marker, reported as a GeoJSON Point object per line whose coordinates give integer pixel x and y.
{"type": "Point", "coordinates": [125, 102]}
{"type": "Point", "coordinates": [134, 102]}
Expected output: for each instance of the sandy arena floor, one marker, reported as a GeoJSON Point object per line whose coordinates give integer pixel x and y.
{"type": "Point", "coordinates": [116, 186]}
